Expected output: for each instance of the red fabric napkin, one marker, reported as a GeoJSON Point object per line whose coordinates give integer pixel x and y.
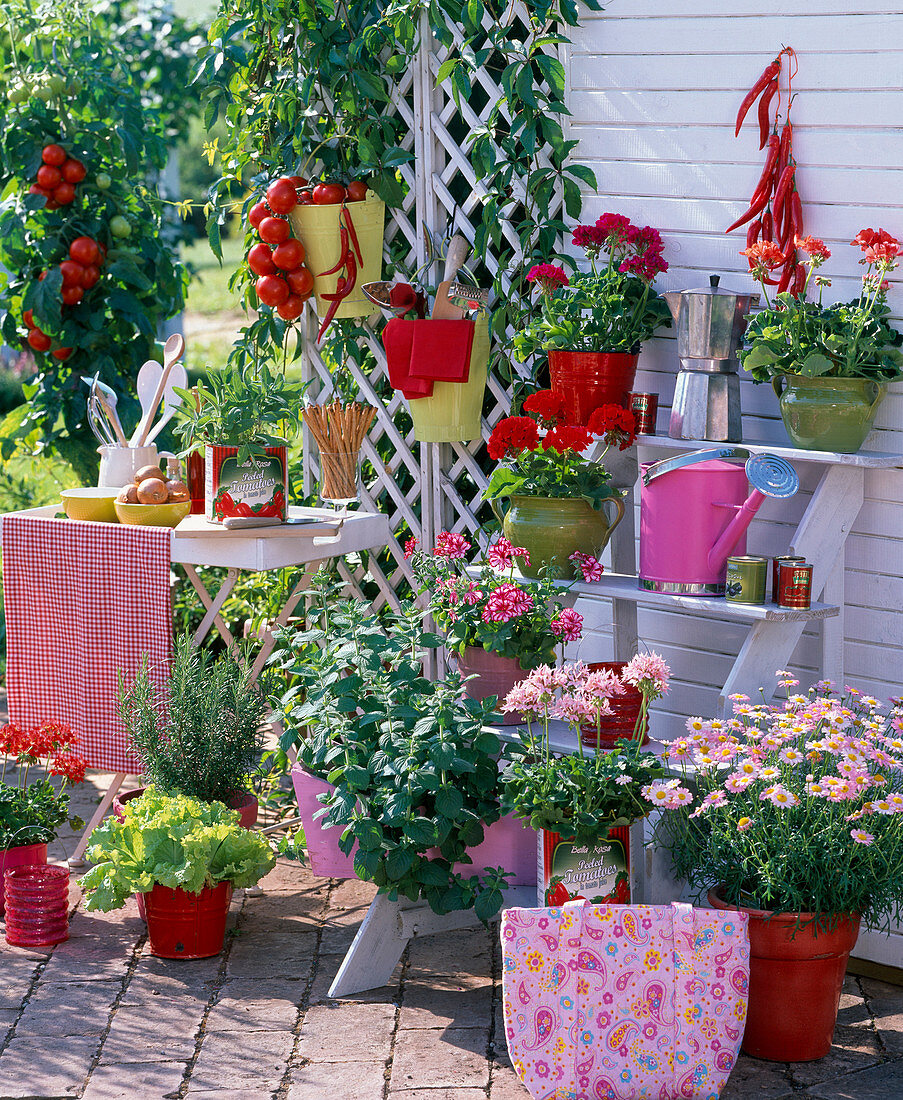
{"type": "Point", "coordinates": [82, 601]}
{"type": "Point", "coordinates": [398, 340]}
{"type": "Point", "coordinates": [441, 350]}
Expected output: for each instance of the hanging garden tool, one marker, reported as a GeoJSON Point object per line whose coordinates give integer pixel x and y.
{"type": "Point", "coordinates": [775, 211]}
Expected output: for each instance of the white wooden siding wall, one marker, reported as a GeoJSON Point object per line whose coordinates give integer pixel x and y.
{"type": "Point", "coordinates": [654, 90]}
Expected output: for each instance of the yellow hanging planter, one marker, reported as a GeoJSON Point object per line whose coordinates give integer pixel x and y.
{"type": "Point", "coordinates": [454, 412]}
{"type": "Point", "coordinates": [317, 228]}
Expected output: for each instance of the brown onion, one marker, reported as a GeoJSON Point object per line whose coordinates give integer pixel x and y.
{"type": "Point", "coordinates": [178, 491]}
{"type": "Point", "coordinates": [152, 491]}
{"type": "Point", "coordinates": [148, 472]}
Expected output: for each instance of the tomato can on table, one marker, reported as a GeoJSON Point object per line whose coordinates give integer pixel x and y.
{"type": "Point", "coordinates": [255, 487]}
{"type": "Point", "coordinates": [645, 412]}
{"type": "Point", "coordinates": [794, 585]}
{"type": "Point", "coordinates": [746, 577]}
{"type": "Point", "coordinates": [776, 564]}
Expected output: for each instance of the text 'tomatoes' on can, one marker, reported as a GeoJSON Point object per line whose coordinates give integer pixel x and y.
{"type": "Point", "coordinates": [645, 412]}
{"type": "Point", "coordinates": [794, 585]}
{"type": "Point", "coordinates": [776, 564]}
{"type": "Point", "coordinates": [746, 579]}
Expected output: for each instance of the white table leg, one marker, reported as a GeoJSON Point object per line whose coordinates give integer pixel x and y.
{"type": "Point", "coordinates": [213, 606]}
{"type": "Point", "coordinates": [99, 814]}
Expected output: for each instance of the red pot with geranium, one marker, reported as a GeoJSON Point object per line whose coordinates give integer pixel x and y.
{"type": "Point", "coordinates": [592, 323]}
{"type": "Point", "coordinates": [562, 507]}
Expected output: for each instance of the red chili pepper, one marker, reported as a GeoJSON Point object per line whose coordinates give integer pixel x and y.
{"type": "Point", "coordinates": [752, 235]}
{"type": "Point", "coordinates": [796, 209]}
{"type": "Point", "coordinates": [757, 207]}
{"type": "Point", "coordinates": [749, 99]}
{"type": "Point", "coordinates": [766, 180]}
{"type": "Point", "coordinates": [343, 255]}
{"type": "Point", "coordinates": [786, 275]}
{"type": "Point", "coordinates": [346, 214]}
{"type": "Point", "coordinates": [766, 226]}
{"type": "Point", "coordinates": [780, 194]}
{"type": "Point", "coordinates": [799, 280]}
{"type": "Point", "coordinates": [764, 108]}
{"type": "Point", "coordinates": [785, 148]}
{"type": "Point", "coordinates": [351, 278]}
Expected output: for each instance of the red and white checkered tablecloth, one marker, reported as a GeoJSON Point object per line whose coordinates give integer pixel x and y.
{"type": "Point", "coordinates": [83, 600]}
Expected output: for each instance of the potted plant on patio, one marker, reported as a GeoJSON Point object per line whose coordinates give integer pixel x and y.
{"type": "Point", "coordinates": [196, 727]}
{"type": "Point", "coordinates": [32, 809]}
{"type": "Point", "coordinates": [184, 857]}
{"type": "Point", "coordinates": [497, 628]}
{"type": "Point", "coordinates": [828, 364]}
{"type": "Point", "coordinates": [791, 813]}
{"type": "Point", "coordinates": [592, 324]}
{"type": "Point", "coordinates": [558, 497]}
{"type": "Point", "coordinates": [242, 420]}
{"type": "Point", "coordinates": [581, 804]}
{"type": "Point", "coordinates": [412, 772]}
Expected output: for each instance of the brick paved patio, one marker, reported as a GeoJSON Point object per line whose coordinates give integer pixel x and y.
{"type": "Point", "coordinates": [100, 1018]}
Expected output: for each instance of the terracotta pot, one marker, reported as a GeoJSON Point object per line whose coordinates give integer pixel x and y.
{"type": "Point", "coordinates": [794, 983]}
{"type": "Point", "coordinates": [828, 414]}
{"type": "Point", "coordinates": [552, 528]}
{"type": "Point", "coordinates": [588, 379]}
{"type": "Point", "coordinates": [326, 858]}
{"type": "Point", "coordinates": [497, 675]}
{"type": "Point", "coordinates": [19, 857]}
{"type": "Point", "coordinates": [625, 712]}
{"type": "Point", "coordinates": [187, 926]}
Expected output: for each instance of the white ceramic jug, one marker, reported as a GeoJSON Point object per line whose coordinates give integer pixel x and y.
{"type": "Point", "coordinates": [118, 465]}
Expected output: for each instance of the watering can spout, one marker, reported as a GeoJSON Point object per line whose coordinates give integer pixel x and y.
{"type": "Point", "coordinates": [734, 531]}
{"type": "Point", "coordinates": [673, 298]}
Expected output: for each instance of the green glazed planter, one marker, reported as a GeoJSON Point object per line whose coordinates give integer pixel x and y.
{"type": "Point", "coordinates": [828, 414]}
{"type": "Point", "coordinates": [552, 528]}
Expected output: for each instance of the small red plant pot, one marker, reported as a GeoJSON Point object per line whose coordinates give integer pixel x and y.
{"type": "Point", "coordinates": [37, 905]}
{"type": "Point", "coordinates": [181, 925]}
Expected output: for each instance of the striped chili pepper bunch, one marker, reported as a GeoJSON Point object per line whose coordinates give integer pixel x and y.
{"type": "Point", "coordinates": [775, 212]}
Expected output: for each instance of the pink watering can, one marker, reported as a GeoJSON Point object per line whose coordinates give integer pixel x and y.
{"type": "Point", "coordinates": [694, 512]}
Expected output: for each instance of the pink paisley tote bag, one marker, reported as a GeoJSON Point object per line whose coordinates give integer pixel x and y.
{"type": "Point", "coordinates": [622, 1002]}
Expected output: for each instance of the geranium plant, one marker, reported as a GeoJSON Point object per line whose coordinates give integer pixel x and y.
{"type": "Point", "coordinates": [513, 619]}
{"type": "Point", "coordinates": [541, 455]}
{"type": "Point", "coordinates": [845, 340]}
{"type": "Point", "coordinates": [581, 795]}
{"type": "Point", "coordinates": [794, 807]}
{"type": "Point", "coordinates": [610, 308]}
{"type": "Point", "coordinates": [32, 809]}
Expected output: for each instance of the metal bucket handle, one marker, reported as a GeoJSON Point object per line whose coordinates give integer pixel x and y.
{"type": "Point", "coordinates": [669, 464]}
{"type": "Point", "coordinates": [767, 473]}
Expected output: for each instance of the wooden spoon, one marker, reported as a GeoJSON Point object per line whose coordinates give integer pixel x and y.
{"type": "Point", "coordinates": [173, 350]}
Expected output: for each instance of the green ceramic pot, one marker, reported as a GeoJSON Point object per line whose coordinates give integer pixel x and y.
{"type": "Point", "coordinates": [828, 414]}
{"type": "Point", "coordinates": [552, 528]}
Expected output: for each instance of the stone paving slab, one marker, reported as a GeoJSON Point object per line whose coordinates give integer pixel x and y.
{"type": "Point", "coordinates": [319, 1080]}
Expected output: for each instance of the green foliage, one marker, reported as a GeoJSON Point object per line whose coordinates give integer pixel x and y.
{"type": "Point", "coordinates": [561, 475]}
{"type": "Point", "coordinates": [199, 731]}
{"type": "Point", "coordinates": [32, 814]}
{"type": "Point", "coordinates": [174, 841]}
{"type": "Point", "coordinates": [72, 85]}
{"type": "Point", "coordinates": [412, 766]}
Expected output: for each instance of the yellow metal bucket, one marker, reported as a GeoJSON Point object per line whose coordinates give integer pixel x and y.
{"type": "Point", "coordinates": [317, 228]}
{"type": "Point", "coordinates": [453, 413]}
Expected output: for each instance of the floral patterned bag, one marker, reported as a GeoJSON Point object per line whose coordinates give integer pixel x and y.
{"type": "Point", "coordinates": [617, 1002]}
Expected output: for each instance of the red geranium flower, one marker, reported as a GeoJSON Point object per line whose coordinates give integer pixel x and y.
{"type": "Point", "coordinates": [69, 765]}
{"type": "Point", "coordinates": [814, 247]}
{"type": "Point", "coordinates": [590, 238]}
{"type": "Point", "coordinates": [764, 256]}
{"type": "Point", "coordinates": [865, 238]}
{"type": "Point", "coordinates": [615, 424]}
{"type": "Point", "coordinates": [548, 276]}
{"type": "Point", "coordinates": [567, 437]}
{"type": "Point", "coordinates": [512, 435]}
{"type": "Point", "coordinates": [548, 405]}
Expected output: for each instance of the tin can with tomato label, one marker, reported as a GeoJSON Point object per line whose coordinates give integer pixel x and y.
{"type": "Point", "coordinates": [645, 412]}
{"type": "Point", "coordinates": [252, 489]}
{"type": "Point", "coordinates": [794, 585]}
{"type": "Point", "coordinates": [776, 563]}
{"type": "Point", "coordinates": [598, 872]}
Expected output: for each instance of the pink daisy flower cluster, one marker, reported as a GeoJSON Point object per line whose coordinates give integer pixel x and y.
{"type": "Point", "coordinates": [649, 673]}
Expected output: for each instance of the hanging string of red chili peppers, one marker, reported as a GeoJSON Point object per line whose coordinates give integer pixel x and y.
{"type": "Point", "coordinates": [775, 212]}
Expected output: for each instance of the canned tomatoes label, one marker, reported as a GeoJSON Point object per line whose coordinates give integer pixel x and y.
{"type": "Point", "coordinates": [794, 585]}
{"type": "Point", "coordinates": [253, 488]}
{"type": "Point", "coordinates": [775, 569]}
{"type": "Point", "coordinates": [597, 872]}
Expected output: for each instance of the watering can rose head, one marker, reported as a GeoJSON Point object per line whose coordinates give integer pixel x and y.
{"type": "Point", "coordinates": [541, 456]}
{"type": "Point", "coordinates": [610, 308]}
{"type": "Point", "coordinates": [844, 340]}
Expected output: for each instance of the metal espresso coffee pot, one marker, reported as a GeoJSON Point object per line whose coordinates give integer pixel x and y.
{"type": "Point", "coordinates": [710, 324]}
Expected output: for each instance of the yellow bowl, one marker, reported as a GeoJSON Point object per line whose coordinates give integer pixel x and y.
{"type": "Point", "coordinates": [93, 503]}
{"type": "Point", "coordinates": [153, 515]}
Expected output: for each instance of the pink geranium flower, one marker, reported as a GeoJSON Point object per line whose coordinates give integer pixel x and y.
{"type": "Point", "coordinates": [507, 602]}
{"type": "Point", "coordinates": [649, 672]}
{"type": "Point", "coordinates": [568, 626]}
{"type": "Point", "coordinates": [450, 545]}
{"type": "Point", "coordinates": [589, 566]}
{"type": "Point", "coordinates": [502, 554]}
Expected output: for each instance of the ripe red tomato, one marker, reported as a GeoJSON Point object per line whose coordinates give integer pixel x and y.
{"type": "Point", "coordinates": [72, 295]}
{"type": "Point", "coordinates": [42, 276]}
{"type": "Point", "coordinates": [273, 230]}
{"type": "Point", "coordinates": [84, 251]}
{"type": "Point", "coordinates": [357, 191]}
{"type": "Point", "coordinates": [64, 194]}
{"type": "Point", "coordinates": [40, 341]}
{"type": "Point", "coordinates": [256, 214]}
{"type": "Point", "coordinates": [300, 282]}
{"type": "Point", "coordinates": [291, 309]}
{"type": "Point", "coordinates": [297, 182]}
{"type": "Point", "coordinates": [49, 177]}
{"type": "Point", "coordinates": [289, 254]}
{"type": "Point", "coordinates": [327, 194]}
{"type": "Point", "coordinates": [305, 197]}
{"type": "Point", "coordinates": [91, 276]}
{"type": "Point", "coordinates": [61, 353]}
{"type": "Point", "coordinates": [74, 171]}
{"type": "Point", "coordinates": [260, 259]}
{"type": "Point", "coordinates": [53, 154]}
{"type": "Point", "coordinates": [52, 204]}
{"type": "Point", "coordinates": [28, 318]}
{"type": "Point", "coordinates": [271, 290]}
{"type": "Point", "coordinates": [281, 197]}
{"type": "Point", "coordinates": [73, 273]}
{"type": "Point", "coordinates": [36, 190]}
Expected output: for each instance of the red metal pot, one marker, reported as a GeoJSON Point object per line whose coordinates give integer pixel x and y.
{"type": "Point", "coordinates": [794, 983]}
{"type": "Point", "coordinates": [187, 926]}
{"type": "Point", "coordinates": [589, 379]}
{"type": "Point", "coordinates": [625, 712]}
{"type": "Point", "coordinates": [18, 857]}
